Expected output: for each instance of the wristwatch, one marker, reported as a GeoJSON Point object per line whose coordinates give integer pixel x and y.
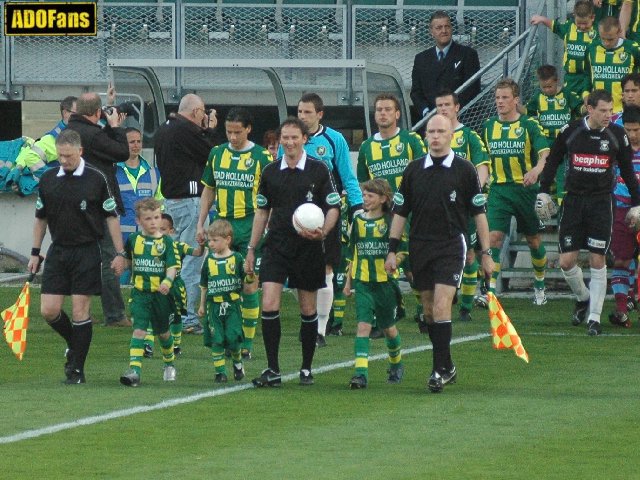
{"type": "Point", "coordinates": [486, 252]}
{"type": "Point", "coordinates": [122, 254]}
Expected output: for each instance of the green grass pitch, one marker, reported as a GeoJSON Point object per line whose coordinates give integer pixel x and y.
{"type": "Point", "coordinates": [570, 413]}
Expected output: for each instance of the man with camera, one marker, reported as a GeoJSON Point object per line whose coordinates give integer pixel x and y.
{"type": "Point", "coordinates": [182, 147]}
{"type": "Point", "coordinates": [103, 147]}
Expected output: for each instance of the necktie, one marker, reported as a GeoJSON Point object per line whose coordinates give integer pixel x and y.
{"type": "Point", "coordinates": [440, 55]}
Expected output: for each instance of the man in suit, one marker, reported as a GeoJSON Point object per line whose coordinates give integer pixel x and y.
{"type": "Point", "coordinates": [445, 65]}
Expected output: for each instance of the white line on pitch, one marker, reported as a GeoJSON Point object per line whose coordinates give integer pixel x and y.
{"type": "Point", "coordinates": [39, 432]}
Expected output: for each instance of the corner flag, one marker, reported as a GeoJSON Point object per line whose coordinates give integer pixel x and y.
{"type": "Point", "coordinates": [503, 332]}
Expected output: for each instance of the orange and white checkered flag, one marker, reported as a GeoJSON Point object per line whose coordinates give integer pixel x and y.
{"type": "Point", "coordinates": [502, 330]}
{"type": "Point", "coordinates": [16, 321]}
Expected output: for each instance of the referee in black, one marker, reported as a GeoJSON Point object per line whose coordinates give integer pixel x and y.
{"type": "Point", "coordinates": [440, 191]}
{"type": "Point", "coordinates": [288, 255]}
{"type": "Point", "coordinates": [73, 202]}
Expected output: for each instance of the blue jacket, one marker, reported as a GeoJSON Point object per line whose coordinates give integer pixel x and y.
{"type": "Point", "coordinates": [133, 189]}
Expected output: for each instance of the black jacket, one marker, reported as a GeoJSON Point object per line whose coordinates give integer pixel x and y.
{"type": "Point", "coordinates": [182, 150]}
{"type": "Point", "coordinates": [102, 148]}
{"type": "Point", "coordinates": [429, 75]}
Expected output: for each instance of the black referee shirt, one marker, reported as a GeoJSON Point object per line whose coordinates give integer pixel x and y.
{"type": "Point", "coordinates": [283, 189]}
{"type": "Point", "coordinates": [440, 198]}
{"type": "Point", "coordinates": [75, 204]}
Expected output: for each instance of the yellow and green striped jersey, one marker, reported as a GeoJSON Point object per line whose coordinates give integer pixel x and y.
{"type": "Point", "coordinates": [466, 143]}
{"type": "Point", "coordinates": [368, 248]}
{"type": "Point", "coordinates": [575, 44]}
{"type": "Point", "coordinates": [235, 177]}
{"type": "Point", "coordinates": [634, 22]}
{"type": "Point", "coordinates": [222, 278]}
{"type": "Point", "coordinates": [513, 147]}
{"type": "Point", "coordinates": [387, 158]}
{"type": "Point", "coordinates": [150, 258]}
{"type": "Point", "coordinates": [554, 112]}
{"type": "Point", "coordinates": [607, 66]}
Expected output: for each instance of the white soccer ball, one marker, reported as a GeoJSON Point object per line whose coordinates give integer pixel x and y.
{"type": "Point", "coordinates": [307, 216]}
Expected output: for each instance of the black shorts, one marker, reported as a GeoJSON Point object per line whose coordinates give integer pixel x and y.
{"type": "Point", "coordinates": [437, 261]}
{"type": "Point", "coordinates": [586, 222]}
{"type": "Point", "coordinates": [333, 248]}
{"type": "Point", "coordinates": [72, 270]}
{"type": "Point", "coordinates": [299, 262]}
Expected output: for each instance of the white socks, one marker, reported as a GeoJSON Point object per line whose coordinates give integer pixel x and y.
{"type": "Point", "coordinates": [597, 290]}
{"type": "Point", "coordinates": [575, 281]}
{"type": "Point", "coordinates": [324, 304]}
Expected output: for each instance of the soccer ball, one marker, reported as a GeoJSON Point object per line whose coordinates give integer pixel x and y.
{"type": "Point", "coordinates": [307, 216]}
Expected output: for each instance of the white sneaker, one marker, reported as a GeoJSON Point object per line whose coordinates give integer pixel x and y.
{"type": "Point", "coordinates": [169, 374]}
{"type": "Point", "coordinates": [539, 298]}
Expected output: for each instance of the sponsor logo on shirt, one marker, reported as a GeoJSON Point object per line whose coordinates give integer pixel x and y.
{"type": "Point", "coordinates": [590, 161]}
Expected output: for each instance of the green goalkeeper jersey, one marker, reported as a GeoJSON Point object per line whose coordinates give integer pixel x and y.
{"type": "Point", "coordinates": [368, 248]}
{"type": "Point", "coordinates": [575, 45]}
{"type": "Point", "coordinates": [513, 147]}
{"type": "Point", "coordinates": [150, 258]}
{"type": "Point", "coordinates": [235, 177]}
{"type": "Point", "coordinates": [223, 277]}
{"type": "Point", "coordinates": [387, 158]}
{"type": "Point", "coordinates": [607, 66]}
{"type": "Point", "coordinates": [554, 112]}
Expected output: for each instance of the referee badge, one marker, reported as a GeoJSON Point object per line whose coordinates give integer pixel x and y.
{"type": "Point", "coordinates": [39, 203]}
{"type": "Point", "coordinates": [321, 150]}
{"type": "Point", "coordinates": [333, 199]}
{"type": "Point", "coordinates": [261, 200]}
{"type": "Point", "coordinates": [479, 200]}
{"type": "Point", "coordinates": [623, 56]}
{"type": "Point", "coordinates": [248, 162]}
{"type": "Point", "coordinates": [109, 205]}
{"type": "Point", "coordinates": [400, 147]}
{"type": "Point", "coordinates": [518, 131]}
{"type": "Point", "coordinates": [398, 199]}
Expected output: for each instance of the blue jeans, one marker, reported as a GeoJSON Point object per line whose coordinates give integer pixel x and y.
{"type": "Point", "coordinates": [185, 220]}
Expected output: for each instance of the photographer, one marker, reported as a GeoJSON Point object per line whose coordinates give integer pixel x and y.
{"type": "Point", "coordinates": [182, 147]}
{"type": "Point", "coordinates": [103, 147]}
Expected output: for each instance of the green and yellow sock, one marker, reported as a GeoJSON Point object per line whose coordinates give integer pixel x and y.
{"type": "Point", "coordinates": [495, 255]}
{"type": "Point", "coordinates": [136, 352]}
{"type": "Point", "coordinates": [395, 351]}
{"type": "Point", "coordinates": [250, 314]}
{"type": "Point", "coordinates": [149, 339]}
{"type": "Point", "coordinates": [339, 306]}
{"type": "Point", "coordinates": [176, 332]}
{"type": "Point", "coordinates": [217, 355]}
{"type": "Point", "coordinates": [469, 284]}
{"type": "Point", "coordinates": [166, 347]}
{"type": "Point", "coordinates": [361, 347]}
{"type": "Point", "coordinates": [539, 262]}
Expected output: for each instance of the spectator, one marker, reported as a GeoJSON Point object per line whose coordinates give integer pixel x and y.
{"type": "Point", "coordinates": [447, 64]}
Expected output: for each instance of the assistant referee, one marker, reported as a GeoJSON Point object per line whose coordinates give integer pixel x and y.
{"type": "Point", "coordinates": [441, 191]}
{"type": "Point", "coordinates": [73, 202]}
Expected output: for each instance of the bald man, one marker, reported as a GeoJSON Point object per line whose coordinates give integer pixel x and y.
{"type": "Point", "coordinates": [182, 148]}
{"type": "Point", "coordinates": [440, 185]}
